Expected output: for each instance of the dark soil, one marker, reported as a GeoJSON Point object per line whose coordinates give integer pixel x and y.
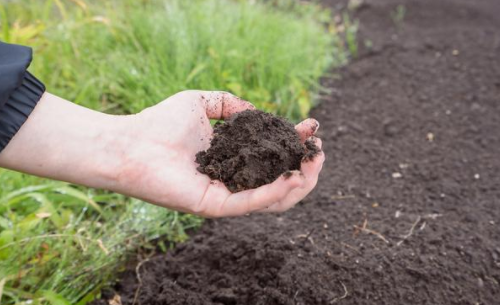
{"type": "Point", "coordinates": [407, 209]}
{"type": "Point", "coordinates": [250, 149]}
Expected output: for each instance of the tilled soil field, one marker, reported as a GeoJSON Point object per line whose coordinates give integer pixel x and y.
{"type": "Point", "coordinates": [407, 209]}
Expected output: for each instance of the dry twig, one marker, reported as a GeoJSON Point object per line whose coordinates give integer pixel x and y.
{"type": "Point", "coordinates": [139, 279]}
{"type": "Point", "coordinates": [335, 300]}
{"type": "Point", "coordinates": [350, 247]}
{"type": "Point", "coordinates": [341, 197]}
{"type": "Point", "coordinates": [405, 237]}
{"type": "Point", "coordinates": [368, 231]}
{"type": "Point", "coordinates": [103, 248]}
{"type": "Point", "coordinates": [307, 237]}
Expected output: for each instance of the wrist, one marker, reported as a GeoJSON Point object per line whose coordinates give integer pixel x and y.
{"type": "Point", "coordinates": [111, 146]}
{"type": "Point", "coordinates": [63, 141]}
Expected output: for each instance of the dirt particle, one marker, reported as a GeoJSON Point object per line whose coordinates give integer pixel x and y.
{"type": "Point", "coordinates": [288, 174]}
{"type": "Point", "coordinates": [396, 175]}
{"type": "Point", "coordinates": [311, 150]}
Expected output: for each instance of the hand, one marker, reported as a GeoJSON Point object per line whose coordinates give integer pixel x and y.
{"type": "Point", "coordinates": [149, 155]}
{"type": "Point", "coordinates": [160, 166]}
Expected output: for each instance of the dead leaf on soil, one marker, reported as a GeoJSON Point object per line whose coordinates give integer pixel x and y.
{"type": "Point", "coordinates": [116, 300]}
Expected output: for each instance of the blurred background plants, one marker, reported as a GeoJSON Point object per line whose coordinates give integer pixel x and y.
{"type": "Point", "coordinates": [59, 244]}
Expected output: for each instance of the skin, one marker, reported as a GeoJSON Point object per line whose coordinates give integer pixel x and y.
{"type": "Point", "coordinates": [149, 155]}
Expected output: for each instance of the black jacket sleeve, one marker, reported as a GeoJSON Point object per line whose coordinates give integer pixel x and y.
{"type": "Point", "coordinates": [19, 90]}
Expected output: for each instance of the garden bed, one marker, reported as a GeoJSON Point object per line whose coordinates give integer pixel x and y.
{"type": "Point", "coordinates": [407, 209]}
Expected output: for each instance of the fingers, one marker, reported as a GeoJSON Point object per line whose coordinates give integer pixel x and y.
{"type": "Point", "coordinates": [307, 128]}
{"type": "Point", "coordinates": [310, 170]}
{"type": "Point", "coordinates": [318, 142]}
{"type": "Point", "coordinates": [251, 200]}
{"type": "Point", "coordinates": [221, 105]}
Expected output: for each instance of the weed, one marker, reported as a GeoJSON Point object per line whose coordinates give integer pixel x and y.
{"type": "Point", "coordinates": [351, 29]}
{"type": "Point", "coordinates": [57, 241]}
{"type": "Point", "coordinates": [132, 54]}
{"type": "Point", "coordinates": [398, 15]}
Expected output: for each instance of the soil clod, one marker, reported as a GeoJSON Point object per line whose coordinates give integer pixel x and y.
{"type": "Point", "coordinates": [253, 148]}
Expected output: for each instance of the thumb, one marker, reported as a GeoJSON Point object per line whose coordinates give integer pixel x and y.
{"type": "Point", "coordinates": [221, 105]}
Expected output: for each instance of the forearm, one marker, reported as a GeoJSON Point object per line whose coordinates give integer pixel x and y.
{"type": "Point", "coordinates": [64, 141]}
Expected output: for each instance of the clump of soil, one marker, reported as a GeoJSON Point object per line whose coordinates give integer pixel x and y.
{"type": "Point", "coordinates": [250, 149]}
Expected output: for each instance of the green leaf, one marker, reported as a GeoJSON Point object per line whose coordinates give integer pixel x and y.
{"type": "Point", "coordinates": [9, 198]}
{"type": "Point", "coordinates": [55, 299]}
{"type": "Point", "coordinates": [28, 223]}
{"type": "Point", "coordinates": [66, 190]}
{"type": "Point", "coordinates": [4, 223]}
{"type": "Point", "coordinates": [5, 24]}
{"type": "Point", "coordinates": [304, 105]}
{"type": "Point", "coordinates": [197, 70]}
{"type": "Point", "coordinates": [90, 296]}
{"type": "Point", "coordinates": [48, 207]}
{"type": "Point", "coordinates": [6, 237]}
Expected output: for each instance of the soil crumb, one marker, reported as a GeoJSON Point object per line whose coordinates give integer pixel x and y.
{"type": "Point", "coordinates": [252, 148]}
{"type": "Point", "coordinates": [311, 150]}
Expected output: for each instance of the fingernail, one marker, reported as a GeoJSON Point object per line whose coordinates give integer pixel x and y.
{"type": "Point", "coordinates": [315, 126]}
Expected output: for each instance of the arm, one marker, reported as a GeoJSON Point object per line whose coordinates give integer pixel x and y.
{"type": "Point", "coordinates": [63, 141]}
{"type": "Point", "coordinates": [149, 155]}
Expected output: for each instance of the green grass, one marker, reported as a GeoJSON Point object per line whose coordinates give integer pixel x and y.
{"type": "Point", "coordinates": [59, 244]}
{"type": "Point", "coordinates": [398, 15]}
{"type": "Point", "coordinates": [57, 240]}
{"type": "Point", "coordinates": [133, 55]}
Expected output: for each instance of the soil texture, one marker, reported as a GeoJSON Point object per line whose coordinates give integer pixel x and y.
{"type": "Point", "coordinates": [407, 208]}
{"type": "Point", "coordinates": [250, 149]}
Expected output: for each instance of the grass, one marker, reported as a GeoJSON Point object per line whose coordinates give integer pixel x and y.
{"type": "Point", "coordinates": [57, 241]}
{"type": "Point", "coordinates": [134, 54]}
{"type": "Point", "coordinates": [398, 15]}
{"type": "Point", "coordinates": [59, 244]}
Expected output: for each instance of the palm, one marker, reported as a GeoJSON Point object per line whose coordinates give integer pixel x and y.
{"type": "Point", "coordinates": [164, 167]}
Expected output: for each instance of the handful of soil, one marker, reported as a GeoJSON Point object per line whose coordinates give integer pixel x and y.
{"type": "Point", "coordinates": [252, 148]}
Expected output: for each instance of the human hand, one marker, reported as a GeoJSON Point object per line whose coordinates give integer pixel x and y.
{"type": "Point", "coordinates": [150, 155]}
{"type": "Point", "coordinates": [160, 167]}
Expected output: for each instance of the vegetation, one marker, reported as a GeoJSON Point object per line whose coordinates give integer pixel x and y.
{"type": "Point", "coordinates": [134, 54]}
{"type": "Point", "coordinates": [398, 15]}
{"type": "Point", "coordinates": [59, 244]}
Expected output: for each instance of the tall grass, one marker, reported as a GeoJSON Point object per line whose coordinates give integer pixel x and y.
{"type": "Point", "coordinates": [132, 54]}
{"type": "Point", "coordinates": [60, 243]}
{"type": "Point", "coordinates": [57, 241]}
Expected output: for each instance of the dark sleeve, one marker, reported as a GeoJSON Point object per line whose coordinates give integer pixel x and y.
{"type": "Point", "coordinates": [19, 90]}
